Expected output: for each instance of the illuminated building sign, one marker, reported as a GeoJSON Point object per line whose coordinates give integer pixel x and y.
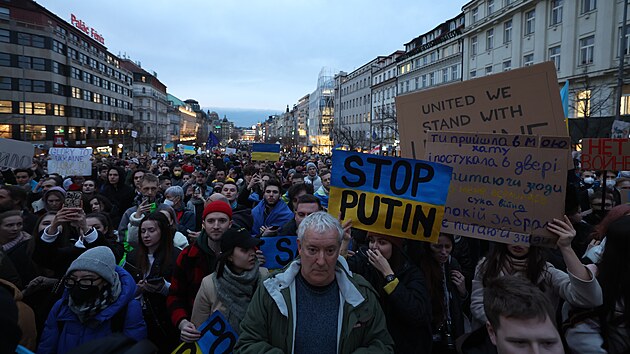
{"type": "Point", "coordinates": [86, 29]}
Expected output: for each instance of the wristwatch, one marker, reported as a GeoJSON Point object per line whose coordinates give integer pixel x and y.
{"type": "Point", "coordinates": [389, 278]}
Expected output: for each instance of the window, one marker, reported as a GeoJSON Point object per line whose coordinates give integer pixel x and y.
{"type": "Point", "coordinates": [26, 107]}
{"type": "Point", "coordinates": [96, 97]}
{"type": "Point", "coordinates": [490, 7]}
{"type": "Point", "coordinates": [507, 65]}
{"type": "Point", "coordinates": [417, 83]}
{"type": "Point", "coordinates": [6, 107]}
{"type": "Point", "coordinates": [588, 5]}
{"type": "Point", "coordinates": [554, 56]}
{"type": "Point", "coordinates": [58, 89]}
{"type": "Point", "coordinates": [39, 63]}
{"type": "Point", "coordinates": [24, 62]}
{"type": "Point", "coordinates": [25, 85]}
{"type": "Point", "coordinates": [58, 47]}
{"type": "Point", "coordinates": [59, 110]}
{"type": "Point", "coordinates": [75, 73]}
{"type": "Point", "coordinates": [530, 22]}
{"type": "Point", "coordinates": [507, 31]}
{"type": "Point", "coordinates": [490, 39]}
{"type": "Point", "coordinates": [4, 12]}
{"type": "Point", "coordinates": [489, 70]}
{"type": "Point", "coordinates": [455, 72]}
{"type": "Point", "coordinates": [433, 56]}
{"type": "Point", "coordinates": [473, 73]}
{"type": "Point", "coordinates": [39, 108]}
{"type": "Point", "coordinates": [76, 92]}
{"type": "Point", "coordinates": [424, 80]}
{"type": "Point", "coordinates": [587, 47]}
{"type": "Point", "coordinates": [473, 45]}
{"type": "Point", "coordinates": [87, 95]}
{"type": "Point", "coordinates": [626, 40]}
{"type": "Point", "coordinates": [57, 68]}
{"type": "Point", "coordinates": [583, 106]}
{"type": "Point", "coordinates": [445, 75]}
{"type": "Point", "coordinates": [5, 36]}
{"type": "Point", "coordinates": [528, 60]}
{"type": "Point", "coordinates": [5, 83]}
{"type": "Point", "coordinates": [556, 12]}
{"type": "Point", "coordinates": [5, 59]}
{"type": "Point", "coordinates": [474, 15]}
{"type": "Point", "coordinates": [39, 86]}
{"type": "Point", "coordinates": [625, 105]}
{"type": "Point", "coordinates": [432, 79]}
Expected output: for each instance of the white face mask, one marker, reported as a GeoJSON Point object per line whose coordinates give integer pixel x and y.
{"type": "Point", "coordinates": [589, 180]}
{"type": "Point", "coordinates": [168, 202]}
{"type": "Point", "coordinates": [610, 183]}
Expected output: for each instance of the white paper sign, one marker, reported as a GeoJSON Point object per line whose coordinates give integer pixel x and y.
{"type": "Point", "coordinates": [70, 161]}
{"type": "Point", "coordinates": [16, 154]}
{"type": "Point", "coordinates": [230, 151]}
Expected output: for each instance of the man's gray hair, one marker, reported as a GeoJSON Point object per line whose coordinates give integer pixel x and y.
{"type": "Point", "coordinates": [320, 222]}
{"type": "Point", "coordinates": [175, 191]}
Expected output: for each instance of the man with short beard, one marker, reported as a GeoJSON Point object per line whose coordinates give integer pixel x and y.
{"type": "Point", "coordinates": [271, 212]}
{"type": "Point", "coordinates": [193, 264]}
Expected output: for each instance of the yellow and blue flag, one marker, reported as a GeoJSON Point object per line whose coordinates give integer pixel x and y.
{"type": "Point", "coordinates": [265, 152]}
{"type": "Point", "coordinates": [170, 147]}
{"type": "Point", "coordinates": [389, 195]}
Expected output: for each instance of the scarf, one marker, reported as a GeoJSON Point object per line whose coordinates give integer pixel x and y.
{"type": "Point", "coordinates": [235, 291]}
{"type": "Point", "coordinates": [23, 236]}
{"type": "Point", "coordinates": [108, 296]}
{"type": "Point", "coordinates": [202, 243]}
{"type": "Point", "coordinates": [513, 265]}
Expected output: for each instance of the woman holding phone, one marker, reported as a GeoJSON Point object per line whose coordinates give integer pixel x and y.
{"type": "Point", "coordinates": [151, 264]}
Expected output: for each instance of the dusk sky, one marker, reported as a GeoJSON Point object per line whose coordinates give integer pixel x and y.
{"type": "Point", "coordinates": [258, 54]}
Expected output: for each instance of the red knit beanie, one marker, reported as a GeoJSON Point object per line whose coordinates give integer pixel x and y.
{"type": "Point", "coordinates": [217, 206]}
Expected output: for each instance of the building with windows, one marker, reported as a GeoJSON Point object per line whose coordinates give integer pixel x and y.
{"type": "Point", "coordinates": [384, 129]}
{"type": "Point", "coordinates": [321, 112]}
{"type": "Point", "coordinates": [58, 82]}
{"type": "Point", "coordinates": [183, 120]}
{"type": "Point", "coordinates": [353, 107]}
{"type": "Point", "coordinates": [581, 37]}
{"type": "Point", "coordinates": [150, 108]}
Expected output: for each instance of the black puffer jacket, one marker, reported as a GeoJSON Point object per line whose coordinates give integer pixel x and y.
{"type": "Point", "coordinates": [407, 309]}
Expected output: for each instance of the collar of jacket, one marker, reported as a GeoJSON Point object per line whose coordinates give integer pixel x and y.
{"type": "Point", "coordinates": [286, 279]}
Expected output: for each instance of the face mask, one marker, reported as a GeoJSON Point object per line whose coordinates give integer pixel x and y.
{"type": "Point", "coordinates": [84, 295]}
{"type": "Point", "coordinates": [610, 183]}
{"type": "Point", "coordinates": [177, 173]}
{"type": "Point", "coordinates": [168, 202]}
{"type": "Point", "coordinates": [588, 180]}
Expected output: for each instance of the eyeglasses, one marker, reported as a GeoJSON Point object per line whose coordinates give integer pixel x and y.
{"type": "Point", "coordinates": [83, 283]}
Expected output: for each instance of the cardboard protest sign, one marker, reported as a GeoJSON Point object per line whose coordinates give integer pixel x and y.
{"type": "Point", "coordinates": [504, 188]}
{"type": "Point", "coordinates": [15, 153]}
{"type": "Point", "coordinates": [70, 161]}
{"type": "Point", "coordinates": [521, 101]}
{"type": "Point", "coordinates": [606, 154]}
{"type": "Point", "coordinates": [278, 250]}
{"type": "Point", "coordinates": [217, 336]}
{"type": "Point", "coordinates": [389, 195]}
{"type": "Point", "coordinates": [265, 152]}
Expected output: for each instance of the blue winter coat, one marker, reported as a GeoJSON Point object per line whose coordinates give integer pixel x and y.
{"type": "Point", "coordinates": [279, 215]}
{"type": "Point", "coordinates": [75, 333]}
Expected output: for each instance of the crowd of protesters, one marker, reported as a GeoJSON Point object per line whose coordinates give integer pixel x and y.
{"type": "Point", "coordinates": [159, 244]}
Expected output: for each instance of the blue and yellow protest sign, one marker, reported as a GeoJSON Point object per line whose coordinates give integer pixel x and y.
{"type": "Point", "coordinates": [217, 336]}
{"type": "Point", "coordinates": [389, 195]}
{"type": "Point", "coordinates": [187, 149]}
{"type": "Point", "coordinates": [170, 147]}
{"type": "Point", "coordinates": [265, 152]}
{"type": "Point", "coordinates": [278, 250]}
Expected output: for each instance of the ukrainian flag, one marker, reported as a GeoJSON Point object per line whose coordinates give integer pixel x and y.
{"type": "Point", "coordinates": [189, 150]}
{"type": "Point", "coordinates": [265, 152]}
{"type": "Point", "coordinates": [170, 147]}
